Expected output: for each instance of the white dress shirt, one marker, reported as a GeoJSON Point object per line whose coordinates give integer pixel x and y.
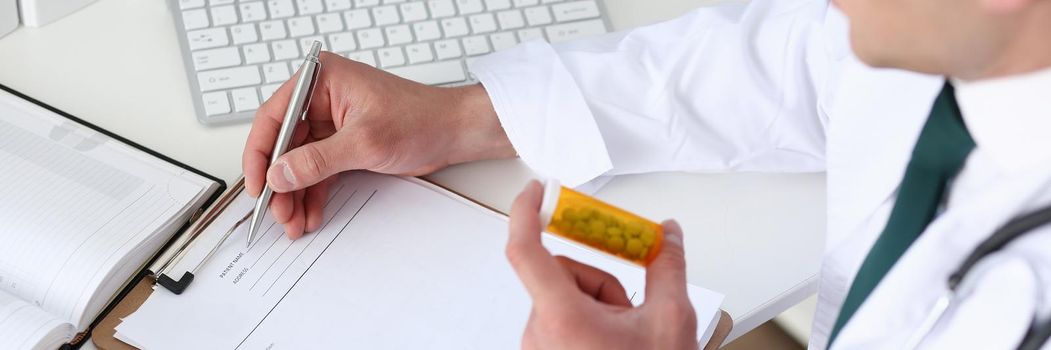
{"type": "Point", "coordinates": [772, 86]}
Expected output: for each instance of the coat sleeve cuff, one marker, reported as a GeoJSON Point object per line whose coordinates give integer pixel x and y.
{"type": "Point", "coordinates": [544, 113]}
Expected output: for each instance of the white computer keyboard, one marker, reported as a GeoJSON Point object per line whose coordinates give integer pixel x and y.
{"type": "Point", "coordinates": [237, 52]}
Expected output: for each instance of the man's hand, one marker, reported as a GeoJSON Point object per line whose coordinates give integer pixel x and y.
{"type": "Point", "coordinates": [363, 118]}
{"type": "Point", "coordinates": [576, 306]}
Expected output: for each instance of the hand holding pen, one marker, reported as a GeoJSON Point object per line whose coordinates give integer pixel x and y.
{"type": "Point", "coordinates": [360, 117]}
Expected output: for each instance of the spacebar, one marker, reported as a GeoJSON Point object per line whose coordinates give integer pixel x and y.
{"type": "Point", "coordinates": [432, 73]}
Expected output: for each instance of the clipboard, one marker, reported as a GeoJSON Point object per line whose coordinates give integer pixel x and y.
{"type": "Point", "coordinates": [163, 274]}
{"type": "Point", "coordinates": [133, 281]}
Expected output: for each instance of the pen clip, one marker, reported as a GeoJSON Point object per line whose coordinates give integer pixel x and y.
{"type": "Point", "coordinates": [313, 78]}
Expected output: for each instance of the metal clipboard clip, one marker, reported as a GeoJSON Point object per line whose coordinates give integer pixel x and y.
{"type": "Point", "coordinates": [161, 270]}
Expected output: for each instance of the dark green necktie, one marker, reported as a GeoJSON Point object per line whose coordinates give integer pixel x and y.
{"type": "Point", "coordinates": [939, 154]}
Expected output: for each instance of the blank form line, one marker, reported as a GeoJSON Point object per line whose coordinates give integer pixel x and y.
{"type": "Point", "coordinates": [290, 245]}
{"type": "Point", "coordinates": [277, 237]}
{"type": "Point", "coordinates": [311, 242]}
{"type": "Point", "coordinates": [264, 233]}
{"type": "Point", "coordinates": [307, 269]}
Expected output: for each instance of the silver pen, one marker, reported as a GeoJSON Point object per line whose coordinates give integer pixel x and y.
{"type": "Point", "coordinates": [297, 111]}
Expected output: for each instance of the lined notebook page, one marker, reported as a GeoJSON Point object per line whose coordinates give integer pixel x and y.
{"type": "Point", "coordinates": [25, 326]}
{"type": "Point", "coordinates": [77, 207]}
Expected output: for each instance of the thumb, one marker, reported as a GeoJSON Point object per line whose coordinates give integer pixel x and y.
{"type": "Point", "coordinates": [307, 165]}
{"type": "Point", "coordinates": [666, 275]}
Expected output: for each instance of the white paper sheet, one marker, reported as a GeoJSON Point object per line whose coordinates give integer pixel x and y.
{"type": "Point", "coordinates": [396, 265]}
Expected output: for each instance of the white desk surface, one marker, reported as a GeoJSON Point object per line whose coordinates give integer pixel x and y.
{"type": "Point", "coordinates": [757, 238]}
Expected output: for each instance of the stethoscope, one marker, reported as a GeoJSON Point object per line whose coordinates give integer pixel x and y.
{"type": "Point", "coordinates": [1039, 328]}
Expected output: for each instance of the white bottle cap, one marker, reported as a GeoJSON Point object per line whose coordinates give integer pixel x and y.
{"type": "Point", "coordinates": [552, 190]}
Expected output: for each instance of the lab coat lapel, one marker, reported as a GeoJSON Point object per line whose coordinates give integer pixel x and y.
{"type": "Point", "coordinates": [904, 297]}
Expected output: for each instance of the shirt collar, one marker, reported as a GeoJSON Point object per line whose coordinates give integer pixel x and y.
{"type": "Point", "coordinates": [1009, 118]}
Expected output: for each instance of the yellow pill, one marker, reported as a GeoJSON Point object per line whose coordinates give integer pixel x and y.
{"type": "Point", "coordinates": [615, 245]}
{"type": "Point", "coordinates": [634, 247]}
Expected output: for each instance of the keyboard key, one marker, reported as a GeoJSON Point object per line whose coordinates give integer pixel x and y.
{"type": "Point", "coordinates": [307, 42]}
{"type": "Point", "coordinates": [329, 22]}
{"type": "Point", "coordinates": [436, 73]}
{"type": "Point", "coordinates": [426, 31]}
{"type": "Point", "coordinates": [570, 31]}
{"type": "Point", "coordinates": [370, 38]}
{"type": "Point", "coordinates": [503, 41]}
{"type": "Point", "coordinates": [475, 45]}
{"type": "Point", "coordinates": [454, 27]}
{"type": "Point", "coordinates": [576, 10]}
{"type": "Point", "coordinates": [337, 5]}
{"type": "Point", "coordinates": [365, 3]}
{"type": "Point", "coordinates": [510, 19]}
{"type": "Point", "coordinates": [397, 35]}
{"type": "Point", "coordinates": [245, 99]}
{"type": "Point", "coordinates": [525, 35]}
{"type": "Point", "coordinates": [256, 53]}
{"type": "Point", "coordinates": [266, 91]}
{"type": "Point", "coordinates": [207, 38]}
{"type": "Point", "coordinates": [216, 58]}
{"type": "Point", "coordinates": [536, 16]}
{"type": "Point", "coordinates": [253, 11]}
{"type": "Point", "coordinates": [244, 33]}
{"type": "Point", "coordinates": [357, 19]}
{"type": "Point", "coordinates": [276, 72]}
{"type": "Point", "coordinates": [469, 6]}
{"type": "Point", "coordinates": [391, 57]}
{"type": "Point", "coordinates": [447, 49]}
{"type": "Point", "coordinates": [229, 78]}
{"type": "Point", "coordinates": [281, 8]}
{"type": "Point", "coordinates": [190, 4]}
{"type": "Point", "coordinates": [195, 19]}
{"type": "Point", "coordinates": [220, 2]}
{"type": "Point", "coordinates": [300, 26]}
{"type": "Point", "coordinates": [284, 49]}
{"type": "Point", "coordinates": [483, 23]}
{"type": "Point", "coordinates": [525, 3]}
{"type": "Point", "coordinates": [385, 15]}
{"type": "Point", "coordinates": [441, 8]}
{"type": "Point", "coordinates": [419, 53]}
{"type": "Point", "coordinates": [224, 15]}
{"type": "Point", "coordinates": [413, 11]}
{"type": "Point", "coordinates": [216, 103]}
{"type": "Point", "coordinates": [365, 57]}
{"type": "Point", "coordinates": [341, 42]}
{"type": "Point", "coordinates": [309, 7]}
{"type": "Point", "coordinates": [272, 30]}
{"type": "Point", "coordinates": [494, 5]}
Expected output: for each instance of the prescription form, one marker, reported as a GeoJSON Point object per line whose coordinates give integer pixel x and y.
{"type": "Point", "coordinates": [398, 263]}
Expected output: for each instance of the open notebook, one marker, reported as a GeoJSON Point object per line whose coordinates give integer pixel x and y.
{"type": "Point", "coordinates": [81, 212]}
{"type": "Point", "coordinates": [397, 264]}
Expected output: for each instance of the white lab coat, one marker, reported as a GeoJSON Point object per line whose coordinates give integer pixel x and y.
{"type": "Point", "coordinates": [772, 86]}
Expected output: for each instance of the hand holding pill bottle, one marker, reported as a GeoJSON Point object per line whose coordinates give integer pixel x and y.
{"type": "Point", "coordinates": [584, 219]}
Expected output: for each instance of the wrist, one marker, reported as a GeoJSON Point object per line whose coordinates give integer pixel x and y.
{"type": "Point", "coordinates": [478, 133]}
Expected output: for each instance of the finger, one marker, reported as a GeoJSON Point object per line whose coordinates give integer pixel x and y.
{"type": "Point", "coordinates": [281, 206]}
{"type": "Point", "coordinates": [314, 203]}
{"type": "Point", "coordinates": [666, 275]}
{"type": "Point", "coordinates": [310, 163]}
{"type": "Point", "coordinates": [294, 226]}
{"type": "Point", "coordinates": [594, 282]}
{"type": "Point", "coordinates": [541, 274]}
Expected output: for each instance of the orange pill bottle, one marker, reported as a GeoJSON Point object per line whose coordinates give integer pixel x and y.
{"type": "Point", "coordinates": [599, 225]}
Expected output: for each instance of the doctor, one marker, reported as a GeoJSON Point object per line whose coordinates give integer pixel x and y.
{"type": "Point", "coordinates": [921, 168]}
